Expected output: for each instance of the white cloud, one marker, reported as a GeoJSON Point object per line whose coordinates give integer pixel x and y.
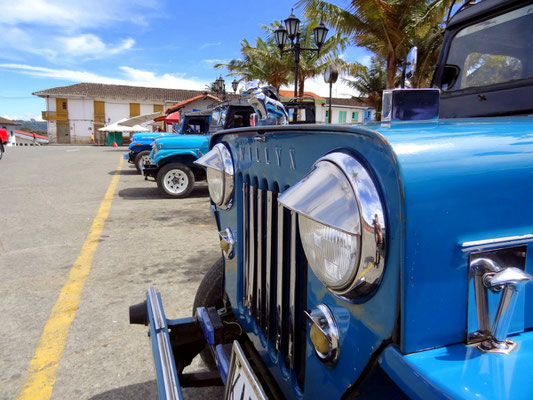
{"type": "Point", "coordinates": [206, 45]}
{"type": "Point", "coordinates": [131, 76]}
{"type": "Point", "coordinates": [91, 46]}
{"type": "Point", "coordinates": [365, 60]}
{"type": "Point", "coordinates": [26, 116]}
{"type": "Point", "coordinates": [214, 61]}
{"type": "Point", "coordinates": [73, 15]}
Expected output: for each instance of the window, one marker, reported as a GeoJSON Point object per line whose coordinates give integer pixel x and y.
{"type": "Point", "coordinates": [494, 51]}
{"type": "Point", "coordinates": [64, 105]}
{"type": "Point", "coordinates": [327, 116]}
{"type": "Point", "coordinates": [158, 107]}
{"type": "Point", "coordinates": [342, 117]}
{"type": "Point", "coordinates": [355, 116]}
{"type": "Point", "coordinates": [135, 109]}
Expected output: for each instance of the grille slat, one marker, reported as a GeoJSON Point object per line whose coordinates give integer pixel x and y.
{"type": "Point", "coordinates": [279, 282]}
{"type": "Point", "coordinates": [259, 262]}
{"type": "Point", "coordinates": [246, 245]}
{"type": "Point", "coordinates": [274, 282]}
{"type": "Point", "coordinates": [270, 258]}
{"type": "Point", "coordinates": [251, 250]}
{"type": "Point", "coordinates": [292, 290]}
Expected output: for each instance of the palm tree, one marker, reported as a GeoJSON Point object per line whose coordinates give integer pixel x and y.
{"type": "Point", "coordinates": [264, 62]}
{"type": "Point", "coordinates": [369, 81]}
{"type": "Point", "coordinates": [260, 62]}
{"type": "Point", "coordinates": [386, 28]}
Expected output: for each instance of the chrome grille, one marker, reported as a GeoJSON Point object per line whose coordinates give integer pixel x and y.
{"type": "Point", "coordinates": [274, 273]}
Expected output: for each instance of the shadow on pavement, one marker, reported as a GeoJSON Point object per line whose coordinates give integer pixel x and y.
{"type": "Point", "coordinates": [153, 193]}
{"type": "Point", "coordinates": [144, 390]}
{"type": "Point", "coordinates": [125, 172]}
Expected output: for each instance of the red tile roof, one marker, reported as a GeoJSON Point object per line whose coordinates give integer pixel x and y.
{"type": "Point", "coordinates": [6, 121]}
{"type": "Point", "coordinates": [102, 91]}
{"type": "Point", "coordinates": [290, 93]}
{"type": "Point", "coordinates": [203, 96]}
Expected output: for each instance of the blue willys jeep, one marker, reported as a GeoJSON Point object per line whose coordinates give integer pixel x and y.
{"type": "Point", "coordinates": [385, 260]}
{"type": "Point", "coordinates": [171, 161]}
{"type": "Point", "coordinates": [140, 148]}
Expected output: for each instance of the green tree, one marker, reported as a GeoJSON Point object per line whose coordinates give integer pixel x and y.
{"type": "Point", "coordinates": [387, 28]}
{"type": "Point", "coordinates": [369, 81]}
{"type": "Point", "coordinates": [263, 61]}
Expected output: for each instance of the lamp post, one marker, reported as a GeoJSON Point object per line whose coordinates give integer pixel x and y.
{"type": "Point", "coordinates": [234, 86]}
{"type": "Point", "coordinates": [291, 31]}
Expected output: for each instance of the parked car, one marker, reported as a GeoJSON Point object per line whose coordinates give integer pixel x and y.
{"type": "Point", "coordinates": [3, 141]}
{"type": "Point", "coordinates": [171, 162]}
{"type": "Point", "coordinates": [381, 260]}
{"type": "Point", "coordinates": [140, 148]}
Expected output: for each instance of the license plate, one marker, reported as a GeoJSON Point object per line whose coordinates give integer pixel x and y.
{"type": "Point", "coordinates": [242, 384]}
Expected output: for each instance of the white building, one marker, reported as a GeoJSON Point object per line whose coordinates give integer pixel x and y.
{"type": "Point", "coordinates": [74, 113]}
{"type": "Point", "coordinates": [10, 126]}
{"type": "Point", "coordinates": [344, 110]}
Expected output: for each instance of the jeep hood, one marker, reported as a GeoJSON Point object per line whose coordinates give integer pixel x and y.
{"type": "Point", "coordinates": [182, 142]}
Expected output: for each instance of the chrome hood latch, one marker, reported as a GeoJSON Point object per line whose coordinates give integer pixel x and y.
{"type": "Point", "coordinates": [487, 276]}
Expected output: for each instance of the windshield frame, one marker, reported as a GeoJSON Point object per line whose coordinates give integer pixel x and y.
{"type": "Point", "coordinates": [450, 35]}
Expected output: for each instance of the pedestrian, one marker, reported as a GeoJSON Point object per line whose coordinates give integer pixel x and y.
{"type": "Point", "coordinates": [34, 138]}
{"type": "Point", "coordinates": [92, 138]}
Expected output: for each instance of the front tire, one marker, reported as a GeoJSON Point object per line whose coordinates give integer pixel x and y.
{"type": "Point", "coordinates": [140, 159]}
{"type": "Point", "coordinates": [175, 180]}
{"type": "Point", "coordinates": [210, 293]}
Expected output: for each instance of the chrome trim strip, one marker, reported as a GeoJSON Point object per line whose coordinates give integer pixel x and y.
{"type": "Point", "coordinates": [279, 279]}
{"type": "Point", "coordinates": [246, 237]}
{"type": "Point", "coordinates": [168, 368]}
{"type": "Point", "coordinates": [496, 242]}
{"type": "Point", "coordinates": [259, 262]}
{"type": "Point", "coordinates": [251, 249]}
{"type": "Point", "coordinates": [270, 203]}
{"type": "Point", "coordinates": [292, 292]}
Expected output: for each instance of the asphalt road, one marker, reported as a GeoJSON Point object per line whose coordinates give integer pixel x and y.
{"type": "Point", "coordinates": [49, 197]}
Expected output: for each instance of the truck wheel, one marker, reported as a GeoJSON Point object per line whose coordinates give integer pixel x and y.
{"type": "Point", "coordinates": [1, 150]}
{"type": "Point", "coordinates": [140, 159]}
{"type": "Point", "coordinates": [210, 294]}
{"type": "Point", "coordinates": [175, 180]}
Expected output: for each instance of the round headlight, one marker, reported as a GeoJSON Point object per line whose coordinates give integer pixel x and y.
{"type": "Point", "coordinates": [341, 223]}
{"type": "Point", "coordinates": [220, 175]}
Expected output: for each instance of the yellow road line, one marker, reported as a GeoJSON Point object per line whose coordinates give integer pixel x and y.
{"type": "Point", "coordinates": [43, 365]}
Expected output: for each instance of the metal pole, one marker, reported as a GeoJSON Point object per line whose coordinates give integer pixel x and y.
{"type": "Point", "coordinates": [296, 63]}
{"type": "Point", "coordinates": [330, 90]}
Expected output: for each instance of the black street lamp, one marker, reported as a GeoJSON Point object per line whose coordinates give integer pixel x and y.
{"type": "Point", "coordinates": [291, 31]}
{"type": "Point", "coordinates": [234, 85]}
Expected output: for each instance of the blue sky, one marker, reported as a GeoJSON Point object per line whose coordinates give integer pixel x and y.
{"type": "Point", "coordinates": [172, 44]}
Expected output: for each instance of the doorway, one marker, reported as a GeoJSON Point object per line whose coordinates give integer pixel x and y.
{"type": "Point", "coordinates": [63, 133]}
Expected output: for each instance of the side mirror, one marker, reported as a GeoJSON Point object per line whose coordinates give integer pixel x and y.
{"type": "Point", "coordinates": [410, 62]}
{"type": "Point", "coordinates": [449, 76]}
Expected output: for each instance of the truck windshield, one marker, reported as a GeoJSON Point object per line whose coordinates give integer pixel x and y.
{"type": "Point", "coordinates": [494, 51]}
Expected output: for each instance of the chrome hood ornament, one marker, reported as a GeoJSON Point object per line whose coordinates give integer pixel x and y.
{"type": "Point", "coordinates": [265, 101]}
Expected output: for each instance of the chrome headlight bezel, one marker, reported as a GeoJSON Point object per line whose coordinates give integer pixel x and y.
{"type": "Point", "coordinates": [219, 161]}
{"type": "Point", "coordinates": [352, 205]}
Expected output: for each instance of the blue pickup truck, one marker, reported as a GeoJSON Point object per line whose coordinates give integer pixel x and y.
{"type": "Point", "coordinates": [171, 161]}
{"type": "Point", "coordinates": [386, 260]}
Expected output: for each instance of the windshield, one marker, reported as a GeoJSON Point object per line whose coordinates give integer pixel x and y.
{"type": "Point", "coordinates": [495, 51]}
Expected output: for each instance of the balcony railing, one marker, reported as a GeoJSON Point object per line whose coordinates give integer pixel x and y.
{"type": "Point", "coordinates": [54, 116]}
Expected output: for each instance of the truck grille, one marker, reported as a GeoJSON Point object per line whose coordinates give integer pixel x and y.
{"type": "Point", "coordinates": [275, 273]}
